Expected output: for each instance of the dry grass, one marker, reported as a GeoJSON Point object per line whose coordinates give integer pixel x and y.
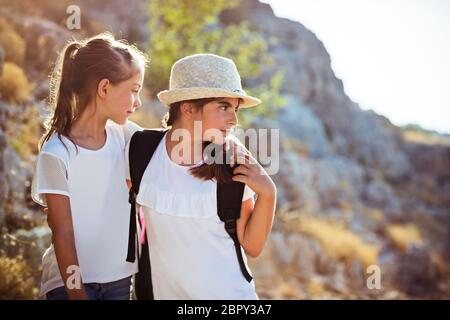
{"type": "Point", "coordinates": [316, 287]}
{"type": "Point", "coordinates": [424, 138]}
{"type": "Point", "coordinates": [338, 242]}
{"type": "Point", "coordinates": [24, 138]}
{"type": "Point", "coordinates": [286, 291]}
{"type": "Point", "coordinates": [16, 281]}
{"type": "Point", "coordinates": [12, 42]}
{"type": "Point", "coordinates": [404, 236]}
{"type": "Point", "coordinates": [375, 214]}
{"type": "Point", "coordinates": [14, 85]}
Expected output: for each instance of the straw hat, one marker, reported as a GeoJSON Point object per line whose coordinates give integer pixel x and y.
{"type": "Point", "coordinates": [205, 76]}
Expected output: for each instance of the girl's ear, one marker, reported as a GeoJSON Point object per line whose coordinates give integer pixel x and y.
{"type": "Point", "coordinates": [188, 110]}
{"type": "Point", "coordinates": [103, 87]}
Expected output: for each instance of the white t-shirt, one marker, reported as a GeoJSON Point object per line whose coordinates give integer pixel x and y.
{"type": "Point", "coordinates": [192, 256]}
{"type": "Point", "coordinates": [95, 182]}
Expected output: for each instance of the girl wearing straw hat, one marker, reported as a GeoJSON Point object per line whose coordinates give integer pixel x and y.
{"type": "Point", "coordinates": [191, 252]}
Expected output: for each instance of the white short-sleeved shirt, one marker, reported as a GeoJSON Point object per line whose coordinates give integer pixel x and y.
{"type": "Point", "coordinates": [192, 255]}
{"type": "Point", "coordinates": [95, 182]}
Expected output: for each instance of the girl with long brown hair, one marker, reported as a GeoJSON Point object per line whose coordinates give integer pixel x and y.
{"type": "Point", "coordinates": [192, 256]}
{"type": "Point", "coordinates": [81, 169]}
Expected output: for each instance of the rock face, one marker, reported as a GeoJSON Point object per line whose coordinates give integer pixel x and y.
{"type": "Point", "coordinates": [298, 122]}
{"type": "Point", "coordinates": [319, 115]}
{"type": "Point", "coordinates": [361, 135]}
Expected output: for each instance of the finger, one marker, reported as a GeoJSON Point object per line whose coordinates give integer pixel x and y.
{"type": "Point", "coordinates": [242, 170]}
{"type": "Point", "coordinates": [240, 178]}
{"type": "Point", "coordinates": [245, 165]}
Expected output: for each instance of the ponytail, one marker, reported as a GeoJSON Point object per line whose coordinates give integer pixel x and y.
{"type": "Point", "coordinates": [62, 96]}
{"type": "Point", "coordinates": [221, 172]}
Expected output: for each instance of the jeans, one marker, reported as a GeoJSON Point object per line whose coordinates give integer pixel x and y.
{"type": "Point", "coordinates": [115, 290]}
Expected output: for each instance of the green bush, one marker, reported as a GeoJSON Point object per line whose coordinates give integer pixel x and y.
{"type": "Point", "coordinates": [181, 28]}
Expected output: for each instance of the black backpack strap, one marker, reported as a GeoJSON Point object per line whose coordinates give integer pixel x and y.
{"type": "Point", "coordinates": [143, 145]}
{"type": "Point", "coordinates": [229, 202]}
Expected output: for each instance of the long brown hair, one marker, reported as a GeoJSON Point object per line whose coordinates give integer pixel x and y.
{"type": "Point", "coordinates": [221, 171]}
{"type": "Point", "coordinates": [79, 68]}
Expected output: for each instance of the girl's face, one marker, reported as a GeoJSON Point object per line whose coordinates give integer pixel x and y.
{"type": "Point", "coordinates": [218, 117]}
{"type": "Point", "coordinates": [123, 99]}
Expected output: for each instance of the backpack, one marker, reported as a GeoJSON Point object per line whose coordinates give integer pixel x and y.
{"type": "Point", "coordinates": [143, 145]}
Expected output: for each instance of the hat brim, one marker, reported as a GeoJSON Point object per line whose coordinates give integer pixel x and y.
{"type": "Point", "coordinates": [167, 97]}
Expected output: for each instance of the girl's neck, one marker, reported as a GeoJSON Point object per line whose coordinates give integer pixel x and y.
{"type": "Point", "coordinates": [89, 129]}
{"type": "Point", "coordinates": [195, 145]}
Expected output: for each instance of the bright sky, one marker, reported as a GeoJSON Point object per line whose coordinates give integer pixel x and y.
{"type": "Point", "coordinates": [392, 55]}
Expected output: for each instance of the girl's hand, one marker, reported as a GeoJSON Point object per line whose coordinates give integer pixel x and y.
{"type": "Point", "coordinates": [250, 172]}
{"type": "Point", "coordinates": [256, 219]}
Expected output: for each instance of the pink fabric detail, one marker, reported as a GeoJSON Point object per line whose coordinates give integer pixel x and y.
{"type": "Point", "coordinates": [141, 219]}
